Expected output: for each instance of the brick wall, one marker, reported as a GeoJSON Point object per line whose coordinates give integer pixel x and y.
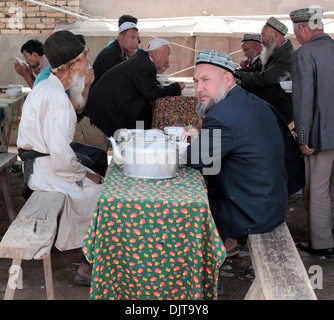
{"type": "Point", "coordinates": [25, 18]}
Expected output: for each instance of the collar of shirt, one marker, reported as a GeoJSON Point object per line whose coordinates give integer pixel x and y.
{"type": "Point", "coordinates": [284, 43]}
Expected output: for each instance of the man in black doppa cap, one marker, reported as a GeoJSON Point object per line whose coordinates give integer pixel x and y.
{"type": "Point", "coordinates": [62, 48]}
{"type": "Point", "coordinates": [46, 130]}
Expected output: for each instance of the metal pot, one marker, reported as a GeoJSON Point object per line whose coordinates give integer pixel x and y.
{"type": "Point", "coordinates": [149, 155]}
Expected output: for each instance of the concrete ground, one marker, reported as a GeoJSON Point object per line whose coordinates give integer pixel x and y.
{"type": "Point", "coordinates": [237, 273]}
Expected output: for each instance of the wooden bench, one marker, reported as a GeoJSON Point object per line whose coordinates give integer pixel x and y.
{"type": "Point", "coordinates": [6, 160]}
{"type": "Point", "coordinates": [279, 271]}
{"type": "Point", "coordinates": [31, 236]}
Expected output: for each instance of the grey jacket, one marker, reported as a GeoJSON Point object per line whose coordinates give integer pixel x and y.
{"type": "Point", "coordinates": [313, 93]}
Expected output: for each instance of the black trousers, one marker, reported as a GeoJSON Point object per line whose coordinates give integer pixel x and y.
{"type": "Point", "coordinates": [91, 157]}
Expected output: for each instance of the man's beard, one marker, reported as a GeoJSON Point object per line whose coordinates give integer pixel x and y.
{"type": "Point", "coordinates": [267, 50]}
{"type": "Point", "coordinates": [77, 87]}
{"type": "Point", "coordinates": [202, 110]}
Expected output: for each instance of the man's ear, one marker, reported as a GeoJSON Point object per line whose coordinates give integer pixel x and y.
{"type": "Point", "coordinates": [34, 55]}
{"type": "Point", "coordinates": [301, 28]}
{"type": "Point", "coordinates": [72, 70]}
{"type": "Point", "coordinates": [229, 77]}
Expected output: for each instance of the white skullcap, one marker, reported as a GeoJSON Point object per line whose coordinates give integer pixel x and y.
{"type": "Point", "coordinates": [127, 25]}
{"type": "Point", "coordinates": [157, 43]}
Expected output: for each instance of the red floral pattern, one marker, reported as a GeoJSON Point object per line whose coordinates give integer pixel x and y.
{"type": "Point", "coordinates": [176, 111]}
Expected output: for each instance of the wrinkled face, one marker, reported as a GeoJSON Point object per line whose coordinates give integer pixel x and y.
{"type": "Point", "coordinates": [32, 59]}
{"type": "Point", "coordinates": [267, 37]}
{"type": "Point", "coordinates": [209, 83]}
{"type": "Point", "coordinates": [129, 41]}
{"type": "Point", "coordinates": [251, 49]}
{"type": "Point", "coordinates": [160, 57]}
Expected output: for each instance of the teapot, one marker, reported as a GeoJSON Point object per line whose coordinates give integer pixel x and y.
{"type": "Point", "coordinates": [146, 154]}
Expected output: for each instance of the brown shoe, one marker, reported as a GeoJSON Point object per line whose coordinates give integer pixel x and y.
{"type": "Point", "coordinates": [233, 252]}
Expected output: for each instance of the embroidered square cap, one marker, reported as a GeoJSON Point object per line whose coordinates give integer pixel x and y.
{"type": "Point", "coordinates": [251, 37]}
{"type": "Point", "coordinates": [219, 59]}
{"type": "Point", "coordinates": [157, 43]}
{"type": "Point", "coordinates": [126, 26]}
{"type": "Point", "coordinates": [277, 25]}
{"type": "Point", "coordinates": [306, 14]}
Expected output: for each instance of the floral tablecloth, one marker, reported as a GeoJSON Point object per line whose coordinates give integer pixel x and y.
{"type": "Point", "coordinates": [176, 111]}
{"type": "Point", "coordinates": [153, 239]}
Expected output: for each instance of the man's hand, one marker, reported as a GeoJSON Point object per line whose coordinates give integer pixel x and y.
{"type": "Point", "coordinates": [182, 85]}
{"type": "Point", "coordinates": [22, 69]}
{"type": "Point", "coordinates": [192, 133]}
{"type": "Point", "coordinates": [244, 63]}
{"type": "Point", "coordinates": [89, 78]}
{"type": "Point", "coordinates": [25, 72]}
{"type": "Point", "coordinates": [306, 150]}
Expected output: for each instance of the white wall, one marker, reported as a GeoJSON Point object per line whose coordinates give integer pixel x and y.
{"type": "Point", "coordinates": [176, 8]}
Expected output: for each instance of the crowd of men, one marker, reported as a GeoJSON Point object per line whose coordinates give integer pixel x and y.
{"type": "Point", "coordinates": [251, 164]}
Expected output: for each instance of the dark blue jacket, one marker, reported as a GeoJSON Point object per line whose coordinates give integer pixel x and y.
{"type": "Point", "coordinates": [242, 157]}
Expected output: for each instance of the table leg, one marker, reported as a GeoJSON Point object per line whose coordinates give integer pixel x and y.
{"type": "Point", "coordinates": [4, 181]}
{"type": "Point", "coordinates": [8, 133]}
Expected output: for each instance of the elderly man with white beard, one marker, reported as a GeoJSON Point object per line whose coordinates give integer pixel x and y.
{"type": "Point", "coordinates": [46, 130]}
{"type": "Point", "coordinates": [239, 150]}
{"type": "Point", "coordinates": [276, 58]}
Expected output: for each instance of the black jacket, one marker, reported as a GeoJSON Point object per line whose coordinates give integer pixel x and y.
{"type": "Point", "coordinates": [123, 95]}
{"type": "Point", "coordinates": [265, 83]}
{"type": "Point", "coordinates": [106, 59]}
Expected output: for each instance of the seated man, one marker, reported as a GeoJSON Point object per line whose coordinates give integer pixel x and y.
{"type": "Point", "coordinates": [124, 93]}
{"type": "Point", "coordinates": [92, 157]}
{"type": "Point", "coordinates": [276, 59]}
{"type": "Point", "coordinates": [251, 46]}
{"type": "Point", "coordinates": [239, 150]}
{"type": "Point", "coordinates": [126, 44]}
{"type": "Point", "coordinates": [46, 131]}
{"type": "Point", "coordinates": [33, 53]}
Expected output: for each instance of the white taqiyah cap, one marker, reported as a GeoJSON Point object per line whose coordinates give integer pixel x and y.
{"type": "Point", "coordinates": [126, 26]}
{"type": "Point", "coordinates": [157, 43]}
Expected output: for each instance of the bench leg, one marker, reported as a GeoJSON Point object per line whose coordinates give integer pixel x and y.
{"type": "Point", "coordinates": [4, 181]}
{"type": "Point", "coordinates": [14, 278]}
{"type": "Point", "coordinates": [48, 277]}
{"type": "Point", "coordinates": [254, 291]}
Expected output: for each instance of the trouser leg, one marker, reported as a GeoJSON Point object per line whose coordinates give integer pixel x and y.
{"type": "Point", "coordinates": [320, 198]}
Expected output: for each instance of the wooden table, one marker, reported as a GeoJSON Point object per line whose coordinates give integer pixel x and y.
{"type": "Point", "coordinates": [153, 239]}
{"type": "Point", "coordinates": [6, 160]}
{"type": "Point", "coordinates": [10, 115]}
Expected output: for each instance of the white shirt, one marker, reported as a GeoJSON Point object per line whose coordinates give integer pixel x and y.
{"type": "Point", "coordinates": [48, 125]}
